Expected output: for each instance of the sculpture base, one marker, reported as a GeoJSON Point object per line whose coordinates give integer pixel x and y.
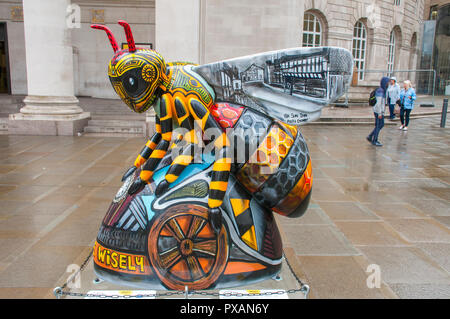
{"type": "Point", "coordinates": [152, 282]}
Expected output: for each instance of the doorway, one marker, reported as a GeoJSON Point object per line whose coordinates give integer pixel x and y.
{"type": "Point", "coordinates": [4, 60]}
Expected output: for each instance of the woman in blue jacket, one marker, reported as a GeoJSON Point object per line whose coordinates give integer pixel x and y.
{"type": "Point", "coordinates": [407, 98]}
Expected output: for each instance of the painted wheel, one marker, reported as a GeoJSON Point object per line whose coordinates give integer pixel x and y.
{"type": "Point", "coordinates": [184, 250]}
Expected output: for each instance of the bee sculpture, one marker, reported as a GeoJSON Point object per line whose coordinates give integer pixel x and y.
{"type": "Point", "coordinates": [205, 221]}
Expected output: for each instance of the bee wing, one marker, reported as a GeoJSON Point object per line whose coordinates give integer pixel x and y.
{"type": "Point", "coordinates": [291, 85]}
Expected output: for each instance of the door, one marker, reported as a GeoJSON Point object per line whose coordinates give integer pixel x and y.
{"type": "Point", "coordinates": [4, 60]}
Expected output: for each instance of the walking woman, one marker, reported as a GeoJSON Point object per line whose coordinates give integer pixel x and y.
{"type": "Point", "coordinates": [392, 96]}
{"type": "Point", "coordinates": [407, 98]}
{"type": "Point", "coordinates": [378, 111]}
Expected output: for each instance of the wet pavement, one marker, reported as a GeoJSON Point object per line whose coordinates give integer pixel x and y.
{"type": "Point", "coordinates": [387, 208]}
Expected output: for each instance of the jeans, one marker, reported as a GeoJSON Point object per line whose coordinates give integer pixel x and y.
{"type": "Point", "coordinates": [379, 123]}
{"type": "Point", "coordinates": [404, 116]}
{"type": "Point", "coordinates": [391, 111]}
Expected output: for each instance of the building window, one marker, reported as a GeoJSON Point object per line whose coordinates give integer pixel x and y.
{"type": "Point", "coordinates": [433, 12]}
{"type": "Point", "coordinates": [397, 2]}
{"type": "Point", "coordinates": [312, 31]}
{"type": "Point", "coordinates": [391, 55]}
{"type": "Point", "coordinates": [359, 47]}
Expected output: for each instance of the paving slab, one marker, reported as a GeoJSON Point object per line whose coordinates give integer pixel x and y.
{"type": "Point", "coordinates": [343, 211]}
{"type": "Point", "coordinates": [394, 210]}
{"type": "Point", "coordinates": [439, 252]}
{"type": "Point", "coordinates": [317, 240]}
{"type": "Point", "coordinates": [338, 277]}
{"type": "Point", "coordinates": [444, 220]}
{"type": "Point", "coordinates": [406, 265]}
{"type": "Point", "coordinates": [421, 230]}
{"type": "Point", "coordinates": [422, 291]}
{"type": "Point", "coordinates": [372, 233]}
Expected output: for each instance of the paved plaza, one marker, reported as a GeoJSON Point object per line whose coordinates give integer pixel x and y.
{"type": "Point", "coordinates": [387, 207]}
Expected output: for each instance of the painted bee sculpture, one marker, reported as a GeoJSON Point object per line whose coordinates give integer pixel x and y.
{"type": "Point", "coordinates": [246, 112]}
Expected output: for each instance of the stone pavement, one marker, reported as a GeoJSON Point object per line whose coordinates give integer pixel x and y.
{"type": "Point", "coordinates": [386, 206]}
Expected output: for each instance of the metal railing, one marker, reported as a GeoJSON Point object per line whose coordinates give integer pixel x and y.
{"type": "Point", "coordinates": [425, 86]}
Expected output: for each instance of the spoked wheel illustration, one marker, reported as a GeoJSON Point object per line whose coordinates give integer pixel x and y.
{"type": "Point", "coordinates": [184, 250]}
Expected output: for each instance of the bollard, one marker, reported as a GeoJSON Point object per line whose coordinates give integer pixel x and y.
{"type": "Point", "coordinates": [444, 112]}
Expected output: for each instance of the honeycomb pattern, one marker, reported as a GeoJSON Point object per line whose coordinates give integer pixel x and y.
{"type": "Point", "coordinates": [226, 114]}
{"type": "Point", "coordinates": [297, 195]}
{"type": "Point", "coordinates": [289, 172]}
{"type": "Point", "coordinates": [249, 130]}
{"type": "Point", "coordinates": [266, 159]}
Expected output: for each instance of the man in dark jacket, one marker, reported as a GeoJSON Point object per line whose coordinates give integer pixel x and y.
{"type": "Point", "coordinates": [378, 111]}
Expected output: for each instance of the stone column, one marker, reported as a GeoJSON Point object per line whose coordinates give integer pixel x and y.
{"type": "Point", "coordinates": [177, 32]}
{"type": "Point", "coordinates": [177, 35]}
{"type": "Point", "coordinates": [50, 107]}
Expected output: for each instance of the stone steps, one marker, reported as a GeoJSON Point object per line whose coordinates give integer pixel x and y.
{"type": "Point", "coordinates": [3, 125]}
{"type": "Point", "coordinates": [115, 125]}
{"type": "Point", "coordinates": [112, 134]}
{"type": "Point", "coordinates": [115, 116]}
{"type": "Point", "coordinates": [115, 122]}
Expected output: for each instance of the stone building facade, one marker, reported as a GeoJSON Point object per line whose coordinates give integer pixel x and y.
{"type": "Point", "coordinates": [383, 34]}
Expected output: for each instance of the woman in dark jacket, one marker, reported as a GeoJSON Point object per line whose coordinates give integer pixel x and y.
{"type": "Point", "coordinates": [378, 111]}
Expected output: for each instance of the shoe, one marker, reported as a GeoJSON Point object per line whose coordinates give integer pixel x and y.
{"type": "Point", "coordinates": [369, 139]}
{"type": "Point", "coordinates": [376, 143]}
{"type": "Point", "coordinates": [405, 128]}
{"type": "Point", "coordinates": [401, 127]}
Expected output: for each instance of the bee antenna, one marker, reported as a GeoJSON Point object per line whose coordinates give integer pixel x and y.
{"type": "Point", "coordinates": [110, 35]}
{"type": "Point", "coordinates": [129, 35]}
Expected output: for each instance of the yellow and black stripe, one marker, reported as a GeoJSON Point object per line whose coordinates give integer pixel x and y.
{"type": "Point", "coordinates": [222, 165]}
{"type": "Point", "coordinates": [186, 156]}
{"type": "Point", "coordinates": [179, 142]}
{"type": "Point", "coordinates": [165, 122]}
{"type": "Point", "coordinates": [180, 163]}
{"type": "Point", "coordinates": [151, 144]}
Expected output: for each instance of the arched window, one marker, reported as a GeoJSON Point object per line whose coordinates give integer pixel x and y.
{"type": "Point", "coordinates": [391, 54]}
{"type": "Point", "coordinates": [359, 47]}
{"type": "Point", "coordinates": [412, 51]}
{"type": "Point", "coordinates": [312, 31]}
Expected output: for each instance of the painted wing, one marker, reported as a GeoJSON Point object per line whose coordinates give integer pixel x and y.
{"type": "Point", "coordinates": [291, 85]}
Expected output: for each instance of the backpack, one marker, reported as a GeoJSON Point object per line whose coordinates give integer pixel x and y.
{"type": "Point", "coordinates": [372, 98]}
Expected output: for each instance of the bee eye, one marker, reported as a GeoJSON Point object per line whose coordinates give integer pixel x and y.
{"type": "Point", "coordinates": [131, 84]}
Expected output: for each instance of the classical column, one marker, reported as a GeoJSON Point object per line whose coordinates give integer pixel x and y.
{"type": "Point", "coordinates": [50, 107]}
{"type": "Point", "coordinates": [177, 32]}
{"type": "Point", "coordinates": [176, 36]}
